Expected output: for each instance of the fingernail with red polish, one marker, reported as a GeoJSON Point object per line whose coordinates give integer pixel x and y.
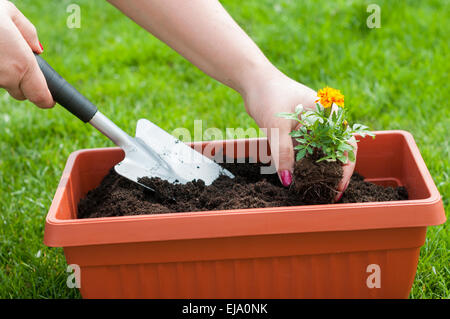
{"type": "Point", "coordinates": [42, 48]}
{"type": "Point", "coordinates": [286, 177]}
{"type": "Point", "coordinates": [338, 198]}
{"type": "Point", "coordinates": [341, 193]}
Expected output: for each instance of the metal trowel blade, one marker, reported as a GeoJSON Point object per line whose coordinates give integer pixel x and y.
{"type": "Point", "coordinates": [156, 153]}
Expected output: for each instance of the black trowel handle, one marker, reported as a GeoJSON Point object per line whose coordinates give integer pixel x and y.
{"type": "Point", "coordinates": [65, 94]}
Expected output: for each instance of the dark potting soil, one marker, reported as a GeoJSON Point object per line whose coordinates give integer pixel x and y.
{"type": "Point", "coordinates": [117, 196]}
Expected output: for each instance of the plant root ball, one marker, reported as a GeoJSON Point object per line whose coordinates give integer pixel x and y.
{"type": "Point", "coordinates": [315, 182]}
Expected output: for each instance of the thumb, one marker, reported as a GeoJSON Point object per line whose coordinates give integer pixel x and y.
{"type": "Point", "coordinates": [347, 172]}
{"type": "Point", "coordinates": [282, 152]}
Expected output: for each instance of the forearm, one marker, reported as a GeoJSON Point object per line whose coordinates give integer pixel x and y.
{"type": "Point", "coordinates": [205, 34]}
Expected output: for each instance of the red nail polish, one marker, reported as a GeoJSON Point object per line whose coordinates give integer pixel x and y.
{"type": "Point", "coordinates": [341, 193]}
{"type": "Point", "coordinates": [345, 187]}
{"type": "Point", "coordinates": [286, 177]}
{"type": "Point", "coordinates": [42, 48]}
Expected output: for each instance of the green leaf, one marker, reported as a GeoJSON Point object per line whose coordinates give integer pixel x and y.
{"type": "Point", "coordinates": [296, 134]}
{"type": "Point", "coordinates": [299, 108]}
{"type": "Point", "coordinates": [345, 147]}
{"type": "Point", "coordinates": [342, 158]}
{"type": "Point", "coordinates": [286, 115]}
{"type": "Point", "coordinates": [301, 140]}
{"type": "Point", "coordinates": [319, 107]}
{"type": "Point", "coordinates": [300, 154]}
{"type": "Point", "coordinates": [351, 156]}
{"type": "Point", "coordinates": [334, 116]}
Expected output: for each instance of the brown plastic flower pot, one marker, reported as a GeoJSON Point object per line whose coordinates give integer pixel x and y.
{"type": "Point", "coordinates": [362, 250]}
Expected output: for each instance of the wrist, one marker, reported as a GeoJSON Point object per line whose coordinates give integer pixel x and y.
{"type": "Point", "coordinates": [254, 75]}
{"type": "Point", "coordinates": [255, 81]}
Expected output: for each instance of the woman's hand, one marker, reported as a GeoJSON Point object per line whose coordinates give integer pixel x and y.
{"type": "Point", "coordinates": [273, 92]}
{"type": "Point", "coordinates": [19, 72]}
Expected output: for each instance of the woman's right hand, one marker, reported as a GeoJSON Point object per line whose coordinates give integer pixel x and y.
{"type": "Point", "coordinates": [19, 72]}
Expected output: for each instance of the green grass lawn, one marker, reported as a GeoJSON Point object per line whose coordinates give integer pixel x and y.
{"type": "Point", "coordinates": [395, 77]}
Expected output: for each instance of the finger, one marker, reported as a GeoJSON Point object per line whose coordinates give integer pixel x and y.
{"type": "Point", "coordinates": [16, 93]}
{"type": "Point", "coordinates": [347, 173]}
{"type": "Point", "coordinates": [26, 28]}
{"type": "Point", "coordinates": [34, 86]}
{"type": "Point", "coordinates": [282, 152]}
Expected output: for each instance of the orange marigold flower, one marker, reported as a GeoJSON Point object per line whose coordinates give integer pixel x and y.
{"type": "Point", "coordinates": [328, 96]}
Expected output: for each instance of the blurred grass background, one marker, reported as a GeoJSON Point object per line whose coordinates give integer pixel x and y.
{"type": "Point", "coordinates": [394, 77]}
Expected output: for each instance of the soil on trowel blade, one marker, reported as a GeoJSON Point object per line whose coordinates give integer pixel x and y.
{"type": "Point", "coordinates": [117, 196]}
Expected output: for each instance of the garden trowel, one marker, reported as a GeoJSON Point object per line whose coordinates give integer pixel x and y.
{"type": "Point", "coordinates": [152, 153]}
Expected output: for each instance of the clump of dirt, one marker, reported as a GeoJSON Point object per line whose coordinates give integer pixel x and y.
{"type": "Point", "coordinates": [359, 191]}
{"type": "Point", "coordinates": [315, 182]}
{"type": "Point", "coordinates": [117, 196]}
